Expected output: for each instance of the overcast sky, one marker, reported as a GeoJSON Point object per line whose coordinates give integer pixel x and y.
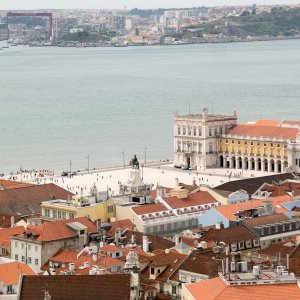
{"type": "Point", "coordinates": [37, 4]}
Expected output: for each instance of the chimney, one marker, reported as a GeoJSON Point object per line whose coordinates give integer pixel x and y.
{"type": "Point", "coordinates": [176, 239]}
{"type": "Point", "coordinates": [95, 257]}
{"type": "Point", "coordinates": [12, 221]}
{"type": "Point", "coordinates": [219, 225]}
{"type": "Point", "coordinates": [86, 264]}
{"type": "Point", "coordinates": [71, 267]}
{"type": "Point", "coordinates": [287, 262]}
{"type": "Point", "coordinates": [145, 243]}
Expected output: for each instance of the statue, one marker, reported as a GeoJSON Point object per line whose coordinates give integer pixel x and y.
{"type": "Point", "coordinates": [135, 163]}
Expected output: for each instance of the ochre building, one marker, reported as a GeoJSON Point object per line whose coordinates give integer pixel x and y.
{"type": "Point", "coordinates": [207, 140]}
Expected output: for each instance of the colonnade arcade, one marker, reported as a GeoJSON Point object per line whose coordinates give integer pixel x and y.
{"type": "Point", "coordinates": [252, 163]}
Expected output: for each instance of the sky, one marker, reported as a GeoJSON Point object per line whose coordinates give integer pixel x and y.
{"type": "Point", "coordinates": [120, 4]}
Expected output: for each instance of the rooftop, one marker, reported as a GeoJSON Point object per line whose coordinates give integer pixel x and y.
{"type": "Point", "coordinates": [51, 231]}
{"type": "Point", "coordinates": [218, 289]}
{"type": "Point", "coordinates": [264, 131]}
{"type": "Point", "coordinates": [199, 198]}
{"type": "Point", "coordinates": [10, 272]}
{"type": "Point", "coordinates": [76, 287]}
{"type": "Point", "coordinates": [27, 200]}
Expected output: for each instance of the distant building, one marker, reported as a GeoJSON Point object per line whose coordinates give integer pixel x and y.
{"type": "Point", "coordinates": [209, 140]}
{"type": "Point", "coordinates": [195, 138]}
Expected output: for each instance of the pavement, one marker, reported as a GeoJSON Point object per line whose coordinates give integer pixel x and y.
{"type": "Point", "coordinates": [159, 173]}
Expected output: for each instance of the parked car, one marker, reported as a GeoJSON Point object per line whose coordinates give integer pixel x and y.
{"type": "Point", "coordinates": [177, 166]}
{"type": "Point", "coordinates": [186, 167]}
{"type": "Point", "coordinates": [64, 173]}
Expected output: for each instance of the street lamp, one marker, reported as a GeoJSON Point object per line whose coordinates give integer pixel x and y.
{"type": "Point", "coordinates": [142, 166]}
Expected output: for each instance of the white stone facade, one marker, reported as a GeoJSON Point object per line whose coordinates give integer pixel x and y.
{"type": "Point", "coordinates": [195, 138]}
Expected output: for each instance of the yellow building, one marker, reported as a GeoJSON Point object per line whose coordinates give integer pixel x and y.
{"type": "Point", "coordinates": [256, 147]}
{"type": "Point", "coordinates": [54, 210]}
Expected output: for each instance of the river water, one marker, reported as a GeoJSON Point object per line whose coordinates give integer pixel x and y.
{"type": "Point", "coordinates": [62, 104]}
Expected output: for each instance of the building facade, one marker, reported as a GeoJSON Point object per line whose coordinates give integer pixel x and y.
{"type": "Point", "coordinates": [208, 140]}
{"type": "Point", "coordinates": [195, 138]}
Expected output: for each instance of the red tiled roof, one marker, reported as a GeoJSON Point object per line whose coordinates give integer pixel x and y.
{"type": "Point", "coordinates": [274, 123]}
{"type": "Point", "coordinates": [10, 272]}
{"type": "Point", "coordinates": [229, 211]}
{"type": "Point", "coordinates": [68, 256]}
{"type": "Point", "coordinates": [217, 289]}
{"type": "Point", "coordinates": [228, 235]}
{"type": "Point", "coordinates": [123, 224]}
{"type": "Point", "coordinates": [6, 233]}
{"type": "Point", "coordinates": [264, 131]}
{"type": "Point", "coordinates": [264, 220]}
{"type": "Point", "coordinates": [11, 184]}
{"type": "Point", "coordinates": [73, 287]}
{"type": "Point", "coordinates": [283, 189]}
{"type": "Point", "coordinates": [149, 209]}
{"type": "Point", "coordinates": [27, 201]}
{"type": "Point", "coordinates": [51, 231]}
{"type": "Point", "coordinates": [199, 198]}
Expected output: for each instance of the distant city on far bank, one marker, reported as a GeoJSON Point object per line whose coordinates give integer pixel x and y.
{"type": "Point", "coordinates": [156, 26]}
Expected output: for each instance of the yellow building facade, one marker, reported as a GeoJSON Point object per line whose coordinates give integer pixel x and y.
{"type": "Point", "coordinates": [54, 210]}
{"type": "Point", "coordinates": [253, 153]}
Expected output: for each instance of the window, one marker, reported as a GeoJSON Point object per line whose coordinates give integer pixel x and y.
{"type": "Point", "coordinates": [110, 209]}
{"type": "Point", "coordinates": [59, 214]}
{"type": "Point", "coordinates": [22, 245]}
{"type": "Point", "coordinates": [195, 131]}
{"type": "Point", "coordinates": [152, 271]}
{"type": "Point", "coordinates": [178, 130]}
{"type": "Point", "coordinates": [82, 232]}
{"type": "Point", "coordinates": [193, 279]}
{"type": "Point", "coordinates": [183, 130]}
{"type": "Point", "coordinates": [35, 248]}
{"type": "Point", "coordinates": [16, 257]}
{"type": "Point", "coordinates": [23, 258]}
{"type": "Point", "coordinates": [71, 216]}
{"type": "Point", "coordinates": [16, 244]}
{"type": "Point", "coordinates": [47, 212]}
{"type": "Point", "coordinates": [10, 289]}
{"type": "Point", "coordinates": [183, 278]}
{"type": "Point", "coordinates": [174, 291]}
{"type": "Point", "coordinates": [200, 131]}
{"type": "Point", "coordinates": [54, 214]}
{"type": "Point", "coordinates": [210, 132]}
{"type": "Point", "coordinates": [29, 260]}
{"type": "Point", "coordinates": [29, 247]}
{"type": "Point", "coordinates": [64, 215]}
{"type": "Point", "coordinates": [3, 251]}
{"type": "Point", "coordinates": [36, 262]}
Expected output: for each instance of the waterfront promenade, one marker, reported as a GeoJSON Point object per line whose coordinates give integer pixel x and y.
{"type": "Point", "coordinates": [161, 173]}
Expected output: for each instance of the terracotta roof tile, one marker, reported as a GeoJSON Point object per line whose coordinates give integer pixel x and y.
{"type": "Point", "coordinates": [217, 289]}
{"type": "Point", "coordinates": [199, 198]}
{"type": "Point", "coordinates": [228, 235]}
{"type": "Point", "coordinates": [264, 131]}
{"type": "Point", "coordinates": [27, 200]}
{"type": "Point", "coordinates": [10, 272]}
{"type": "Point", "coordinates": [113, 287]}
{"type": "Point", "coordinates": [148, 209]}
{"type": "Point", "coordinates": [264, 220]}
{"type": "Point", "coordinates": [251, 185]}
{"type": "Point", "coordinates": [6, 233]}
{"type": "Point", "coordinates": [11, 184]}
{"type": "Point", "coordinates": [51, 231]}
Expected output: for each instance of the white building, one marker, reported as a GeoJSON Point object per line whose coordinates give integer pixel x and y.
{"type": "Point", "coordinates": [195, 138]}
